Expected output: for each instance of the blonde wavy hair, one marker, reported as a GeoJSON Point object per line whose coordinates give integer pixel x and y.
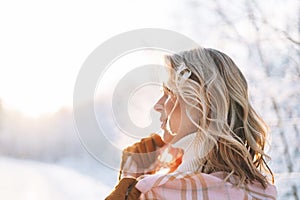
{"type": "Point", "coordinates": [231, 136]}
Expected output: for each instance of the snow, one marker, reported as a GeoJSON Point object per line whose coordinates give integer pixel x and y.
{"type": "Point", "coordinates": [31, 180]}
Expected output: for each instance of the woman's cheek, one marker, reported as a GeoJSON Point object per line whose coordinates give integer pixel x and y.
{"type": "Point", "coordinates": [175, 119]}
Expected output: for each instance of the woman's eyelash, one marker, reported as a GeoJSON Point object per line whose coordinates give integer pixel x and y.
{"type": "Point", "coordinates": [167, 90]}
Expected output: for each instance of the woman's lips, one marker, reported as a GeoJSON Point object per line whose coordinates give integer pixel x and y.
{"type": "Point", "coordinates": [162, 118]}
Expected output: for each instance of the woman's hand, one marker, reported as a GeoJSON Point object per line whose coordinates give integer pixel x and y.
{"type": "Point", "coordinates": [141, 157]}
{"type": "Point", "coordinates": [125, 190]}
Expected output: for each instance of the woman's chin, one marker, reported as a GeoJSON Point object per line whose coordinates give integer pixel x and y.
{"type": "Point", "coordinates": [167, 137]}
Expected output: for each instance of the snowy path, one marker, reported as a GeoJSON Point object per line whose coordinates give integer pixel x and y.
{"type": "Point", "coordinates": [29, 180]}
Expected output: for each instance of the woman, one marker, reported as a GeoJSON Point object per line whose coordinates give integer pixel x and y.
{"type": "Point", "coordinates": [214, 136]}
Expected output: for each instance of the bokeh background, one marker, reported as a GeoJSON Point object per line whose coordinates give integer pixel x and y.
{"type": "Point", "coordinates": [44, 43]}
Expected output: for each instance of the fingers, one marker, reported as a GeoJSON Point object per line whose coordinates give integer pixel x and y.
{"type": "Point", "coordinates": [139, 155]}
{"type": "Point", "coordinates": [149, 144]}
{"type": "Point", "coordinates": [144, 152]}
{"type": "Point", "coordinates": [157, 140]}
{"type": "Point", "coordinates": [149, 154]}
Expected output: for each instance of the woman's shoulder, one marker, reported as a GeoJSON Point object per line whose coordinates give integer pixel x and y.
{"type": "Point", "coordinates": [156, 180]}
{"type": "Point", "coordinates": [207, 186]}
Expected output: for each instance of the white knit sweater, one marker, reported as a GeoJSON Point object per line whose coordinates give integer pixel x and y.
{"type": "Point", "coordinates": [190, 160]}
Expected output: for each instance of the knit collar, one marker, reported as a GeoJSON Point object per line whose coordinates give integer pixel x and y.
{"type": "Point", "coordinates": [190, 160]}
{"type": "Point", "coordinates": [185, 142]}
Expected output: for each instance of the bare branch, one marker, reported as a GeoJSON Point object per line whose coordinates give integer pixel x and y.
{"type": "Point", "coordinates": [287, 155]}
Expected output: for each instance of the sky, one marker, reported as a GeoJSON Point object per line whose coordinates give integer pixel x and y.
{"type": "Point", "coordinates": [44, 44]}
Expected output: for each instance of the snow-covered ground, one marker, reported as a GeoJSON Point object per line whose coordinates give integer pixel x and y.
{"type": "Point", "coordinates": [30, 180]}
{"type": "Point", "coordinates": [73, 180]}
